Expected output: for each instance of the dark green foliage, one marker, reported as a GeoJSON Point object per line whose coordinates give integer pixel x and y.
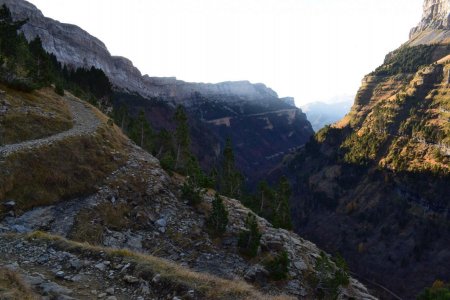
{"type": "Point", "coordinates": [330, 276]}
{"type": "Point", "coordinates": [218, 220]}
{"type": "Point", "coordinates": [249, 239]}
{"type": "Point", "coordinates": [172, 148]}
{"type": "Point", "coordinates": [141, 132]}
{"type": "Point", "coordinates": [167, 162]}
{"type": "Point", "coordinates": [439, 291]}
{"type": "Point", "coordinates": [406, 60]}
{"type": "Point", "coordinates": [282, 213]}
{"type": "Point", "coordinates": [272, 204]}
{"type": "Point", "coordinates": [361, 150]}
{"type": "Point", "coordinates": [278, 266]}
{"type": "Point", "coordinates": [191, 193]}
{"type": "Point", "coordinates": [59, 89]}
{"type": "Point", "coordinates": [182, 138]}
{"type": "Point", "coordinates": [231, 179]}
{"type": "Point", "coordinates": [10, 41]}
{"type": "Point", "coordinates": [27, 66]}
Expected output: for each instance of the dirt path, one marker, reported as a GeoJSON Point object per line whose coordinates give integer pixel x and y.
{"type": "Point", "coordinates": [84, 119]}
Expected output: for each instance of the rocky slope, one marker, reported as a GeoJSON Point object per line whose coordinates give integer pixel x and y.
{"type": "Point", "coordinates": [379, 177]}
{"type": "Point", "coordinates": [120, 198]}
{"type": "Point", "coordinates": [263, 127]}
{"type": "Point", "coordinates": [434, 26]}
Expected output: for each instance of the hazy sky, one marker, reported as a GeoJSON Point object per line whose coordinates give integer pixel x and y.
{"type": "Point", "coordinates": [309, 49]}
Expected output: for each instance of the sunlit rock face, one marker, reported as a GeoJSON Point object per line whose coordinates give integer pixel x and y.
{"type": "Point", "coordinates": [436, 15]}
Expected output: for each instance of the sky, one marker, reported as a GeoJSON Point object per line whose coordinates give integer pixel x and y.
{"type": "Point", "coordinates": [313, 50]}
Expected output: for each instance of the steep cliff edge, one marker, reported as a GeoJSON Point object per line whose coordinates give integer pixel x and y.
{"type": "Point", "coordinates": [379, 177]}
{"type": "Point", "coordinates": [97, 187]}
{"type": "Point", "coordinates": [264, 127]}
{"type": "Point", "coordinates": [434, 26]}
{"type": "Point", "coordinates": [75, 47]}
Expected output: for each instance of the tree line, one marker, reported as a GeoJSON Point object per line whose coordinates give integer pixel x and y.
{"type": "Point", "coordinates": [27, 66]}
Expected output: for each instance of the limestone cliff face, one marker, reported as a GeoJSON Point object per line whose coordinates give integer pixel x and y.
{"type": "Point", "coordinates": [379, 174]}
{"type": "Point", "coordinates": [434, 26]}
{"type": "Point", "coordinates": [76, 47]}
{"type": "Point", "coordinates": [73, 46]}
{"type": "Point", "coordinates": [436, 15]}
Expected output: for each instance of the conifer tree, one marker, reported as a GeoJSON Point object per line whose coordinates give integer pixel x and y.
{"type": "Point", "coordinates": [182, 137]}
{"type": "Point", "coordinates": [282, 213]}
{"type": "Point", "coordinates": [218, 220]}
{"type": "Point", "coordinates": [231, 180]}
{"type": "Point", "coordinates": [249, 239]}
{"type": "Point", "coordinates": [141, 132]}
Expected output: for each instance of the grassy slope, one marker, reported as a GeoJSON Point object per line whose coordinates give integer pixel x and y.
{"type": "Point", "coordinates": [32, 115]}
{"type": "Point", "coordinates": [379, 178]}
{"type": "Point", "coordinates": [146, 266]}
{"type": "Point", "coordinates": [12, 287]}
{"type": "Point", "coordinates": [78, 164]}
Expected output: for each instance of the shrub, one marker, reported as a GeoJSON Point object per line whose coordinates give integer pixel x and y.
{"type": "Point", "coordinates": [330, 277]}
{"type": "Point", "coordinates": [278, 266]}
{"type": "Point", "coordinates": [192, 194]}
{"type": "Point", "coordinates": [439, 291]}
{"type": "Point", "coordinates": [249, 239]}
{"type": "Point", "coordinates": [218, 220]}
{"type": "Point", "coordinates": [59, 89]}
{"type": "Point", "coordinates": [168, 162]}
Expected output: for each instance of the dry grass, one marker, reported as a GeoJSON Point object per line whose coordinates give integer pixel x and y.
{"type": "Point", "coordinates": [66, 169]}
{"type": "Point", "coordinates": [12, 287]}
{"type": "Point", "coordinates": [89, 223]}
{"type": "Point", "coordinates": [35, 122]}
{"type": "Point", "coordinates": [147, 266]}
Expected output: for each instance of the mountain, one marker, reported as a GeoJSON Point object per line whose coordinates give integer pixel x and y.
{"type": "Point", "coordinates": [321, 114]}
{"type": "Point", "coordinates": [85, 213]}
{"type": "Point", "coordinates": [374, 186]}
{"type": "Point", "coordinates": [262, 126]}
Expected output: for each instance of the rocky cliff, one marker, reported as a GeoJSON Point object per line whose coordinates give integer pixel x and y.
{"type": "Point", "coordinates": [379, 177]}
{"type": "Point", "coordinates": [263, 126]}
{"type": "Point", "coordinates": [434, 26]}
{"type": "Point", "coordinates": [85, 213]}
{"type": "Point", "coordinates": [75, 47]}
{"type": "Point", "coordinates": [436, 14]}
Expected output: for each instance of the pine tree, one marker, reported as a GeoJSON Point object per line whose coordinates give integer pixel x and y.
{"type": "Point", "coordinates": [249, 239]}
{"type": "Point", "coordinates": [278, 266]}
{"type": "Point", "coordinates": [182, 137]}
{"type": "Point", "coordinates": [218, 220]}
{"type": "Point", "coordinates": [264, 200]}
{"type": "Point", "coordinates": [141, 132]}
{"type": "Point", "coordinates": [282, 213]}
{"type": "Point", "coordinates": [9, 39]}
{"type": "Point", "coordinates": [231, 180]}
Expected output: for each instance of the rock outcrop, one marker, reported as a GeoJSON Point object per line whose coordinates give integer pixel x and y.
{"type": "Point", "coordinates": [436, 15]}
{"type": "Point", "coordinates": [379, 177]}
{"type": "Point", "coordinates": [75, 47]}
{"type": "Point", "coordinates": [134, 205]}
{"type": "Point", "coordinates": [268, 127]}
{"type": "Point", "coordinates": [434, 26]}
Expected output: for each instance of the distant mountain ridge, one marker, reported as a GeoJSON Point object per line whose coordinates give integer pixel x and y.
{"type": "Point", "coordinates": [263, 126]}
{"type": "Point", "coordinates": [74, 46]}
{"type": "Point", "coordinates": [321, 114]}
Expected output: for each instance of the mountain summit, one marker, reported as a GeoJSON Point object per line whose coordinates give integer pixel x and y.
{"type": "Point", "coordinates": [435, 24]}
